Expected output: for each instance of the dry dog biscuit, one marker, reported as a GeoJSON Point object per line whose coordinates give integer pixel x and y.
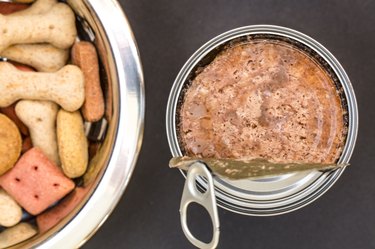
{"type": "Point", "coordinates": [65, 87]}
{"type": "Point", "coordinates": [38, 7]}
{"type": "Point", "coordinates": [10, 144]}
{"type": "Point", "coordinates": [84, 55]}
{"type": "Point", "coordinates": [16, 234]}
{"type": "Point", "coordinates": [26, 144]}
{"type": "Point", "coordinates": [40, 118]}
{"type": "Point", "coordinates": [57, 26]}
{"type": "Point", "coordinates": [10, 112]}
{"type": "Point", "coordinates": [42, 57]}
{"type": "Point", "coordinates": [35, 182]}
{"type": "Point", "coordinates": [24, 1]}
{"type": "Point", "coordinates": [10, 211]}
{"type": "Point", "coordinates": [72, 143]}
{"type": "Point", "coordinates": [54, 215]}
{"type": "Point", "coordinates": [9, 8]}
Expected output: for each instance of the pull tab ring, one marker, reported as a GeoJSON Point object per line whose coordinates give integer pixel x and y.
{"type": "Point", "coordinates": [207, 200]}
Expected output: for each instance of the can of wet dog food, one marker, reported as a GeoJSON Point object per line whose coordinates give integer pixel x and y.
{"type": "Point", "coordinates": [273, 195]}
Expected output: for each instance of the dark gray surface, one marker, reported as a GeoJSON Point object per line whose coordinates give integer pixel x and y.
{"type": "Point", "coordinates": [168, 32]}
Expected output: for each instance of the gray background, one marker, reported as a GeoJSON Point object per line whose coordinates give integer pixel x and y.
{"type": "Point", "coordinates": [168, 32]}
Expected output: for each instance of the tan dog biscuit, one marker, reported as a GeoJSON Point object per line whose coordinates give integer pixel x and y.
{"type": "Point", "coordinates": [57, 27]}
{"type": "Point", "coordinates": [10, 144]}
{"type": "Point", "coordinates": [38, 7]}
{"type": "Point", "coordinates": [65, 87]}
{"type": "Point", "coordinates": [84, 55]}
{"type": "Point", "coordinates": [42, 57]}
{"type": "Point", "coordinates": [72, 143]}
{"type": "Point", "coordinates": [16, 234]}
{"type": "Point", "coordinates": [40, 118]}
{"type": "Point", "coordinates": [10, 211]}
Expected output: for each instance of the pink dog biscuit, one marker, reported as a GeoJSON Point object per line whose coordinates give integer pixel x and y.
{"type": "Point", "coordinates": [54, 215]}
{"type": "Point", "coordinates": [35, 182]}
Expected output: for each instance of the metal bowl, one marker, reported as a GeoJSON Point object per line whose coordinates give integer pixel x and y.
{"type": "Point", "coordinates": [117, 156]}
{"type": "Point", "coordinates": [275, 195]}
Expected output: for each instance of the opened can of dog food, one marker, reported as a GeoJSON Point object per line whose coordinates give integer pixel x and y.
{"type": "Point", "coordinates": [268, 92]}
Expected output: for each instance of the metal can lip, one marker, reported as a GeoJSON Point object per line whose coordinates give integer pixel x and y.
{"type": "Point", "coordinates": [277, 195]}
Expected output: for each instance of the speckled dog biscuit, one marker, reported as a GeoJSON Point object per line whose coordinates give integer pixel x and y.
{"type": "Point", "coordinates": [72, 143]}
{"type": "Point", "coordinates": [42, 57]}
{"type": "Point", "coordinates": [35, 182]}
{"type": "Point", "coordinates": [65, 87]}
{"type": "Point", "coordinates": [40, 118]}
{"type": "Point", "coordinates": [57, 27]}
{"type": "Point", "coordinates": [10, 211]}
{"type": "Point", "coordinates": [16, 234]}
{"type": "Point", "coordinates": [38, 7]}
{"type": "Point", "coordinates": [84, 55]}
{"type": "Point", "coordinates": [10, 144]}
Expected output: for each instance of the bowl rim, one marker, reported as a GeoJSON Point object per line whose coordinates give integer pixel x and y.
{"type": "Point", "coordinates": [128, 135]}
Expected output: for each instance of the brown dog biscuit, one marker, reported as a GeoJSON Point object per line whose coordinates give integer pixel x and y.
{"type": "Point", "coordinates": [72, 143]}
{"type": "Point", "coordinates": [24, 1]}
{"type": "Point", "coordinates": [84, 55]}
{"type": "Point", "coordinates": [52, 216]}
{"type": "Point", "coordinates": [10, 112]}
{"type": "Point", "coordinates": [9, 8]}
{"type": "Point", "coordinates": [26, 144]}
{"type": "Point", "coordinates": [10, 144]}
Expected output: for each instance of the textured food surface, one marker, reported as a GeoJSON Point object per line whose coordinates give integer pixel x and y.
{"type": "Point", "coordinates": [263, 99]}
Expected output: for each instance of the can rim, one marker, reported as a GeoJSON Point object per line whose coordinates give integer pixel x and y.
{"type": "Point", "coordinates": [322, 183]}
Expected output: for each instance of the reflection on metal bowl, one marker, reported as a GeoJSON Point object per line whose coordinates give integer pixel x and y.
{"type": "Point", "coordinates": [104, 23]}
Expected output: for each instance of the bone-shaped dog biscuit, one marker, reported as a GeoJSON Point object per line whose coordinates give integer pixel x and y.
{"type": "Point", "coordinates": [40, 118]}
{"type": "Point", "coordinates": [42, 57]}
{"type": "Point", "coordinates": [64, 87]}
{"type": "Point", "coordinates": [56, 26]}
{"type": "Point", "coordinates": [38, 7]}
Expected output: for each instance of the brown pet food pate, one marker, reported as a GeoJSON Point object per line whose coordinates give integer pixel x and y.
{"type": "Point", "coordinates": [263, 98]}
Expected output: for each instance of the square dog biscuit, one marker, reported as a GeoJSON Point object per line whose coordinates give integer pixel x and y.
{"type": "Point", "coordinates": [35, 182]}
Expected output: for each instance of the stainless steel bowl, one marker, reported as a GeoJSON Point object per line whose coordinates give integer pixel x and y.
{"type": "Point", "coordinates": [119, 151]}
{"type": "Point", "coordinates": [275, 195]}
